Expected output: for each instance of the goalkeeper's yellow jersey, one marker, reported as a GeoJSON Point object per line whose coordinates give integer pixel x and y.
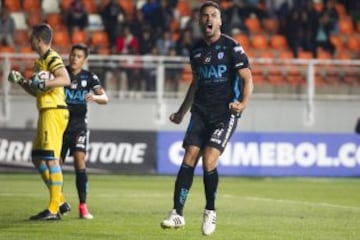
{"type": "Point", "coordinates": [54, 97]}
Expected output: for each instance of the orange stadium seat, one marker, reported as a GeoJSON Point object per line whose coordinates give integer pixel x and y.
{"type": "Point", "coordinates": [65, 4]}
{"type": "Point", "coordinates": [275, 76]}
{"type": "Point", "coordinates": [243, 39]}
{"type": "Point", "coordinates": [31, 5]}
{"type": "Point", "coordinates": [128, 6]}
{"type": "Point", "coordinates": [266, 54]}
{"type": "Point", "coordinates": [90, 6]}
{"type": "Point", "coordinates": [7, 49]}
{"type": "Point", "coordinates": [322, 54]}
{"type": "Point", "coordinates": [345, 55]}
{"type": "Point", "coordinates": [271, 25]}
{"type": "Point", "coordinates": [253, 25]}
{"type": "Point", "coordinates": [302, 54]}
{"type": "Point", "coordinates": [12, 5]}
{"type": "Point", "coordinates": [21, 37]}
{"type": "Point", "coordinates": [34, 18]}
{"type": "Point", "coordinates": [286, 54]}
{"type": "Point", "coordinates": [337, 41]}
{"type": "Point", "coordinates": [26, 49]}
{"type": "Point", "coordinates": [79, 37]}
{"type": "Point", "coordinates": [61, 38]}
{"type": "Point", "coordinates": [260, 42]}
{"type": "Point", "coordinates": [278, 41]}
{"type": "Point", "coordinates": [353, 43]}
{"type": "Point", "coordinates": [99, 38]}
{"type": "Point", "coordinates": [346, 26]}
{"type": "Point", "coordinates": [184, 8]}
{"type": "Point", "coordinates": [54, 20]}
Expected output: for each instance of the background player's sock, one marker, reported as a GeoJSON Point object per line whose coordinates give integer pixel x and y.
{"type": "Point", "coordinates": [211, 180]}
{"type": "Point", "coordinates": [81, 184]}
{"type": "Point", "coordinates": [182, 186]}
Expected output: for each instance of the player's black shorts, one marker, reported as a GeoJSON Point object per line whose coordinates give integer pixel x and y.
{"type": "Point", "coordinates": [74, 141]}
{"type": "Point", "coordinates": [215, 132]}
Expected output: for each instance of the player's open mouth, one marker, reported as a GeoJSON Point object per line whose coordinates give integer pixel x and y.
{"type": "Point", "coordinates": [209, 27]}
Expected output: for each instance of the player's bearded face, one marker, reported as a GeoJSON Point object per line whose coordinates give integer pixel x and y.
{"type": "Point", "coordinates": [34, 44]}
{"type": "Point", "coordinates": [210, 21]}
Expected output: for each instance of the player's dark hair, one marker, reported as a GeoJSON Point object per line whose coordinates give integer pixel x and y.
{"type": "Point", "coordinates": [82, 47]}
{"type": "Point", "coordinates": [209, 4]}
{"type": "Point", "coordinates": [43, 31]}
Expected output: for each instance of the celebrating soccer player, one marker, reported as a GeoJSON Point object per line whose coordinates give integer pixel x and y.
{"type": "Point", "coordinates": [219, 93]}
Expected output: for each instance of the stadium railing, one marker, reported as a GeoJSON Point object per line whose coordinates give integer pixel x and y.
{"type": "Point", "coordinates": [161, 77]}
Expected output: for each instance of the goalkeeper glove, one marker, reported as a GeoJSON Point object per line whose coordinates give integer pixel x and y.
{"type": "Point", "coordinates": [37, 83]}
{"type": "Point", "coordinates": [15, 77]}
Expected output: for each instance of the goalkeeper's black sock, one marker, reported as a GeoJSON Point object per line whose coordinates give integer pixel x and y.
{"type": "Point", "coordinates": [211, 180]}
{"type": "Point", "coordinates": [81, 184]}
{"type": "Point", "coordinates": [183, 184]}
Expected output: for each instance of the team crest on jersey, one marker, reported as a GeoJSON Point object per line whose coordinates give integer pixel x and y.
{"type": "Point", "coordinates": [83, 83]}
{"type": "Point", "coordinates": [220, 55]}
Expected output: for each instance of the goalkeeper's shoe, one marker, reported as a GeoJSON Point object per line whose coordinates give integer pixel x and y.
{"type": "Point", "coordinates": [46, 215]}
{"type": "Point", "coordinates": [64, 208]}
{"type": "Point", "coordinates": [174, 220]}
{"type": "Point", "coordinates": [84, 212]}
{"type": "Point", "coordinates": [209, 222]}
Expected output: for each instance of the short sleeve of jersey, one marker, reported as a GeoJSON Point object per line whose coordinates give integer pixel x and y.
{"type": "Point", "coordinates": [94, 81]}
{"type": "Point", "coordinates": [53, 61]}
{"type": "Point", "coordinates": [239, 57]}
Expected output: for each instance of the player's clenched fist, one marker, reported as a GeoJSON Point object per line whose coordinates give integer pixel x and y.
{"type": "Point", "coordinates": [15, 77]}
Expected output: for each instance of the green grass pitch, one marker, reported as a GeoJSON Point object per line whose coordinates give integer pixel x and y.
{"type": "Point", "coordinates": [131, 208]}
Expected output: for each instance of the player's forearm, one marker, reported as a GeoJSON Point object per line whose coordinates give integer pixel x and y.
{"type": "Point", "coordinates": [247, 90]}
{"type": "Point", "coordinates": [188, 100]}
{"type": "Point", "coordinates": [101, 99]}
{"type": "Point", "coordinates": [60, 81]}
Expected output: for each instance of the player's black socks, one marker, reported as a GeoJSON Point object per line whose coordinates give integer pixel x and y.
{"type": "Point", "coordinates": [81, 184]}
{"type": "Point", "coordinates": [183, 184]}
{"type": "Point", "coordinates": [211, 180]}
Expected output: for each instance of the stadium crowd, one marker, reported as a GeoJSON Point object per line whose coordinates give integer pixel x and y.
{"type": "Point", "coordinates": [323, 29]}
{"type": "Point", "coordinates": [164, 26]}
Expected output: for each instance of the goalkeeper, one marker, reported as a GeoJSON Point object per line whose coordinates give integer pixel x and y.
{"type": "Point", "coordinates": [52, 119]}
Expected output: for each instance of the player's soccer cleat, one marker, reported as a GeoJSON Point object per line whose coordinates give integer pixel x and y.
{"type": "Point", "coordinates": [46, 215]}
{"type": "Point", "coordinates": [84, 213]}
{"type": "Point", "coordinates": [209, 222]}
{"type": "Point", "coordinates": [174, 220]}
{"type": "Point", "coordinates": [64, 208]}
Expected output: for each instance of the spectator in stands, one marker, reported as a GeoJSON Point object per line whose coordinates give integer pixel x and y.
{"type": "Point", "coordinates": [146, 42]}
{"type": "Point", "coordinates": [149, 9]}
{"type": "Point", "coordinates": [172, 73]}
{"type": "Point", "coordinates": [193, 25]}
{"type": "Point", "coordinates": [138, 23]}
{"type": "Point", "coordinates": [164, 43]}
{"type": "Point", "coordinates": [113, 16]}
{"type": "Point", "coordinates": [322, 38]}
{"type": "Point", "coordinates": [301, 27]}
{"type": "Point", "coordinates": [7, 28]}
{"type": "Point", "coordinates": [77, 16]}
{"type": "Point", "coordinates": [163, 15]}
{"type": "Point", "coordinates": [332, 15]}
{"type": "Point", "coordinates": [184, 43]}
{"type": "Point", "coordinates": [234, 18]}
{"type": "Point", "coordinates": [126, 42]}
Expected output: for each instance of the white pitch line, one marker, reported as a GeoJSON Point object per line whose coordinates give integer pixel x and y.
{"type": "Point", "coordinates": [286, 201]}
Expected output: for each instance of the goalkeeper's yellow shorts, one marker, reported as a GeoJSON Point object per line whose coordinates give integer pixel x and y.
{"type": "Point", "coordinates": [47, 143]}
